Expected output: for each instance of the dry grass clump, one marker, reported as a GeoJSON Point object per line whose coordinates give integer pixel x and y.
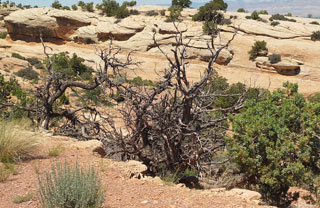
{"type": "Point", "coordinates": [16, 143]}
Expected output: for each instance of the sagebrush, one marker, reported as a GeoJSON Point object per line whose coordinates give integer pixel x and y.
{"type": "Point", "coordinates": [70, 187]}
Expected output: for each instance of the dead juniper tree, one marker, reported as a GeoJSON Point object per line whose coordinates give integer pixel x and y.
{"type": "Point", "coordinates": [84, 122]}
{"type": "Point", "coordinates": [175, 125]}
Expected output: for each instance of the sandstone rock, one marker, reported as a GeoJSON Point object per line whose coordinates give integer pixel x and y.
{"type": "Point", "coordinates": [29, 24]}
{"type": "Point", "coordinates": [287, 67]}
{"type": "Point", "coordinates": [135, 169]}
{"type": "Point", "coordinates": [94, 146]}
{"type": "Point", "coordinates": [86, 35]}
{"type": "Point", "coordinates": [204, 54]}
{"type": "Point", "coordinates": [246, 194]}
{"type": "Point", "coordinates": [51, 23]}
{"type": "Point", "coordinates": [263, 53]}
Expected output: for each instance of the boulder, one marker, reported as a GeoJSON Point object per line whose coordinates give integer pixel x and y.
{"type": "Point", "coordinates": [287, 67]}
{"type": "Point", "coordinates": [87, 34]}
{"type": "Point", "coordinates": [246, 194]}
{"type": "Point", "coordinates": [224, 57]}
{"type": "Point", "coordinates": [264, 63]}
{"type": "Point", "coordinates": [93, 146]}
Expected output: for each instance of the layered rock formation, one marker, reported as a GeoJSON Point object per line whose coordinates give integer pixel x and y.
{"type": "Point", "coordinates": [291, 39]}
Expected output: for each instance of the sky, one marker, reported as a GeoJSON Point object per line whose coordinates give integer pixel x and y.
{"type": "Point", "coordinates": [296, 7]}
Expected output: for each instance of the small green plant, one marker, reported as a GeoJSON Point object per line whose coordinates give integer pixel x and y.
{"type": "Point", "coordinates": [152, 13]}
{"type": "Point", "coordinates": [70, 187]}
{"type": "Point", "coordinates": [56, 150]}
{"type": "Point", "coordinates": [274, 58]}
{"type": "Point", "coordinates": [18, 56]}
{"type": "Point", "coordinates": [288, 15]}
{"type": "Point", "coordinates": [315, 36]}
{"type": "Point", "coordinates": [256, 48]}
{"type": "Point", "coordinates": [3, 35]}
{"type": "Point", "coordinates": [21, 199]}
{"type": "Point", "coordinates": [28, 73]}
{"type": "Point", "coordinates": [275, 23]}
{"type": "Point", "coordinates": [138, 81]}
{"type": "Point", "coordinates": [242, 10]}
{"type": "Point", "coordinates": [4, 173]}
{"type": "Point", "coordinates": [263, 12]}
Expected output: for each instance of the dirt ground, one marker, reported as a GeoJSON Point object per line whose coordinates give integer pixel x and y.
{"type": "Point", "coordinates": [121, 191]}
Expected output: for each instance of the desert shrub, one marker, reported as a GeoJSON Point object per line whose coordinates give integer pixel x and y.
{"type": "Point", "coordinates": [274, 58]}
{"type": "Point", "coordinates": [86, 6]}
{"type": "Point", "coordinates": [21, 199]}
{"type": "Point", "coordinates": [122, 12]}
{"type": "Point", "coordinates": [94, 97]}
{"type": "Point", "coordinates": [163, 12]}
{"type": "Point", "coordinates": [315, 98]}
{"type": "Point", "coordinates": [3, 35]}
{"type": "Point", "coordinates": [254, 15]}
{"type": "Point", "coordinates": [258, 46]}
{"type": "Point", "coordinates": [241, 10]}
{"type": "Point", "coordinates": [263, 12]}
{"type": "Point", "coordinates": [56, 5]}
{"type": "Point", "coordinates": [138, 81]}
{"type": "Point", "coordinates": [152, 13]}
{"type": "Point", "coordinates": [18, 56]}
{"type": "Point", "coordinates": [70, 67]}
{"type": "Point", "coordinates": [175, 13]}
{"type": "Point", "coordinates": [109, 7]}
{"type": "Point", "coordinates": [65, 8]}
{"type": "Point", "coordinates": [276, 144]}
{"type": "Point", "coordinates": [56, 151]}
{"type": "Point", "coordinates": [315, 36]}
{"type": "Point", "coordinates": [11, 91]}
{"type": "Point", "coordinates": [14, 144]}
{"type": "Point", "coordinates": [314, 23]}
{"type": "Point", "coordinates": [74, 7]}
{"type": "Point", "coordinates": [309, 16]}
{"type": "Point", "coordinates": [210, 10]}
{"type": "Point", "coordinates": [182, 3]}
{"type": "Point", "coordinates": [274, 23]}
{"type": "Point", "coordinates": [28, 73]}
{"type": "Point", "coordinates": [277, 17]}
{"type": "Point", "coordinates": [70, 187]}
{"type": "Point", "coordinates": [281, 17]}
{"type": "Point", "coordinates": [129, 3]}
{"type": "Point", "coordinates": [288, 15]}
{"type": "Point", "coordinates": [134, 12]}
{"type": "Point", "coordinates": [35, 62]}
